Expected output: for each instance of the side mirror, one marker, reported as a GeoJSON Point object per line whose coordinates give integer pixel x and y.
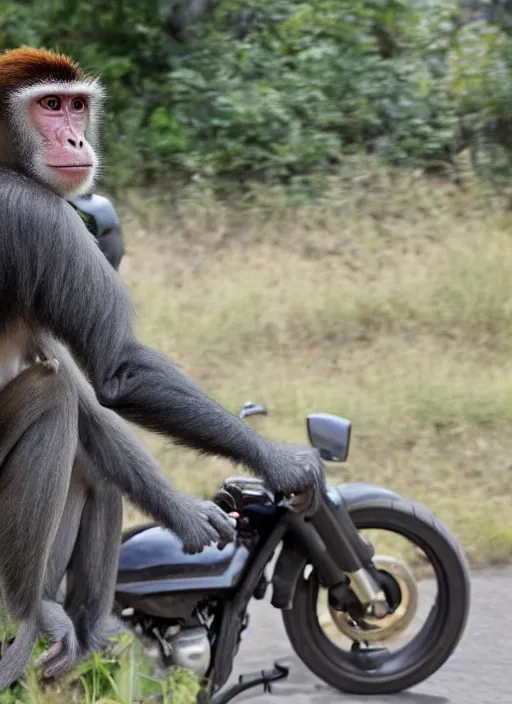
{"type": "Point", "coordinates": [330, 435]}
{"type": "Point", "coordinates": [252, 409]}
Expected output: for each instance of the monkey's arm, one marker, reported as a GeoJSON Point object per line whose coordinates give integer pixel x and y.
{"type": "Point", "coordinates": [63, 282]}
{"type": "Point", "coordinates": [144, 387]}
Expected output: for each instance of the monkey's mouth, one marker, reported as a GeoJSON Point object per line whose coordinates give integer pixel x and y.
{"type": "Point", "coordinates": [74, 167]}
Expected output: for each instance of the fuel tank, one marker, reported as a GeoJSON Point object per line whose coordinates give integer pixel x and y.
{"type": "Point", "coordinates": [151, 561]}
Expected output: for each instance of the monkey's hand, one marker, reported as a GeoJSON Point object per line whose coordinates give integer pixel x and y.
{"type": "Point", "coordinates": [198, 523]}
{"type": "Point", "coordinates": [299, 470]}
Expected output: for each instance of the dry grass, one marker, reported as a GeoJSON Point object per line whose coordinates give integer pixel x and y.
{"type": "Point", "coordinates": [388, 302]}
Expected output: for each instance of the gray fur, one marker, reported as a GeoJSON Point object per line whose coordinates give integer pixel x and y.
{"type": "Point", "coordinates": [36, 470]}
{"type": "Point", "coordinates": [67, 454]}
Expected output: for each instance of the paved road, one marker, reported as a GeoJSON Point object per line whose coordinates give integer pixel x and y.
{"type": "Point", "coordinates": [479, 672]}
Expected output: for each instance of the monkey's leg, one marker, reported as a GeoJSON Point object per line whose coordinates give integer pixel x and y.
{"type": "Point", "coordinates": [38, 439]}
{"type": "Point", "coordinates": [54, 622]}
{"type": "Point", "coordinates": [92, 572]}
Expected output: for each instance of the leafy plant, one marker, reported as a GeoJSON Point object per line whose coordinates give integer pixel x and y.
{"type": "Point", "coordinates": [284, 90]}
{"type": "Point", "coordinates": [122, 675]}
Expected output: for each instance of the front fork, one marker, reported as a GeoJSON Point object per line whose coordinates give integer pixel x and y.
{"type": "Point", "coordinates": [338, 552]}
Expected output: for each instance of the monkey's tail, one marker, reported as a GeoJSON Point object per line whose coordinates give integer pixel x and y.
{"type": "Point", "coordinates": [16, 658]}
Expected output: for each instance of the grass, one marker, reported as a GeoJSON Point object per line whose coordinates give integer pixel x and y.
{"type": "Point", "coordinates": [389, 302]}
{"type": "Point", "coordinates": [123, 675]}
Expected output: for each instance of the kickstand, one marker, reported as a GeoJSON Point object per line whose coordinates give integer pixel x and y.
{"type": "Point", "coordinates": [265, 677]}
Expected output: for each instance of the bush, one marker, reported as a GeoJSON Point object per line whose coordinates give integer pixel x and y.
{"type": "Point", "coordinates": [282, 90]}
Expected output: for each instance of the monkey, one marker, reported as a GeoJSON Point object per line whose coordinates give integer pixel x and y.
{"type": "Point", "coordinates": [73, 375]}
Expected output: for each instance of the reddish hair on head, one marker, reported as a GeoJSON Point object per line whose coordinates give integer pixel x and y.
{"type": "Point", "coordinates": [27, 67]}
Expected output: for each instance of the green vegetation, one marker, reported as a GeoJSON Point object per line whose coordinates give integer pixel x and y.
{"type": "Point", "coordinates": [121, 676]}
{"type": "Point", "coordinates": [284, 90]}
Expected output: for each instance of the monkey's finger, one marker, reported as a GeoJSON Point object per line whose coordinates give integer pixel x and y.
{"type": "Point", "coordinates": [226, 536]}
{"type": "Point", "coordinates": [221, 516]}
{"type": "Point", "coordinates": [193, 548]}
{"type": "Point", "coordinates": [225, 541]}
{"type": "Point", "coordinates": [224, 527]}
{"type": "Point", "coordinates": [204, 536]}
{"type": "Point", "coordinates": [222, 519]}
{"type": "Point", "coordinates": [53, 651]}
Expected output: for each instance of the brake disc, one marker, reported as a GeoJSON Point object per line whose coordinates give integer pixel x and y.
{"type": "Point", "coordinates": [370, 629]}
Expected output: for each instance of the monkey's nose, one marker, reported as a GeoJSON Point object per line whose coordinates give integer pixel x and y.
{"type": "Point", "coordinates": [75, 144]}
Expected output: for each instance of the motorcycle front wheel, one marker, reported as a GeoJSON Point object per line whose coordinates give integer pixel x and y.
{"type": "Point", "coordinates": [370, 667]}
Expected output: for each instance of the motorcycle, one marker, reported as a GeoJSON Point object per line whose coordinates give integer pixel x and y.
{"type": "Point", "coordinates": [192, 609]}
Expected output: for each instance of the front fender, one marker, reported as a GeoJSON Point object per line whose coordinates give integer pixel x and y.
{"type": "Point", "coordinates": [357, 495]}
{"type": "Point", "coordinates": [291, 561]}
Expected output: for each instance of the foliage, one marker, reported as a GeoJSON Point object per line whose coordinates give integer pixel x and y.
{"type": "Point", "coordinates": [279, 90]}
{"type": "Point", "coordinates": [120, 675]}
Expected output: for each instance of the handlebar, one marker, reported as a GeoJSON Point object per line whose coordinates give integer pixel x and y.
{"type": "Point", "coordinates": [251, 409]}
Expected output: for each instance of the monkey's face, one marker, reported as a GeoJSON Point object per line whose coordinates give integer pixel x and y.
{"type": "Point", "coordinates": [49, 113]}
{"type": "Point", "coordinates": [61, 155]}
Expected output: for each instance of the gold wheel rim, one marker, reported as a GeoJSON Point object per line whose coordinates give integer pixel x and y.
{"type": "Point", "coordinates": [376, 630]}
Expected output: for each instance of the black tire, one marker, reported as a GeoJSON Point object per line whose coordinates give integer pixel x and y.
{"type": "Point", "coordinates": [429, 649]}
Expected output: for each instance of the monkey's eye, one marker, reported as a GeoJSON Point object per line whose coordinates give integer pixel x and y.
{"type": "Point", "coordinates": [51, 103]}
{"type": "Point", "coordinates": [78, 105]}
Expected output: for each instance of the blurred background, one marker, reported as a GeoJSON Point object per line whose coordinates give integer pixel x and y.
{"type": "Point", "coordinates": [316, 204]}
{"type": "Point", "coordinates": [315, 201]}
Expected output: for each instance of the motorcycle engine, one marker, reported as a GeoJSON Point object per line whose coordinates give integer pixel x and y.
{"type": "Point", "coordinates": [191, 649]}
{"type": "Point", "coordinates": [167, 644]}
